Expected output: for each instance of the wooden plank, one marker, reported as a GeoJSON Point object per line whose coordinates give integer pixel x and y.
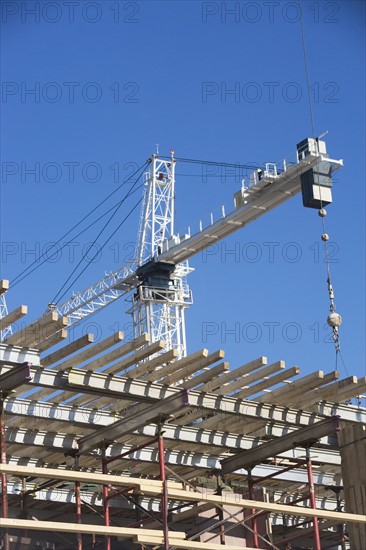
{"type": "Point", "coordinates": [37, 331]}
{"type": "Point", "coordinates": [205, 376]}
{"type": "Point", "coordinates": [175, 491]}
{"type": "Point", "coordinates": [13, 316]}
{"type": "Point", "coordinates": [78, 358]}
{"type": "Point", "coordinates": [129, 374]}
{"type": "Point", "coordinates": [118, 352]}
{"type": "Point", "coordinates": [301, 384]}
{"type": "Point", "coordinates": [339, 391]}
{"type": "Point", "coordinates": [349, 391]}
{"type": "Point", "coordinates": [235, 373]}
{"type": "Point", "coordinates": [138, 390]}
{"type": "Point", "coordinates": [47, 332]}
{"type": "Point", "coordinates": [228, 500]}
{"type": "Point", "coordinates": [52, 340]}
{"type": "Point", "coordinates": [297, 393]}
{"type": "Point", "coordinates": [61, 527]}
{"type": "Point", "coordinates": [268, 383]}
{"type": "Point", "coordinates": [189, 544]}
{"type": "Point", "coordinates": [165, 361]}
{"type": "Point", "coordinates": [4, 286]}
{"type": "Point", "coordinates": [67, 350]}
{"type": "Point", "coordinates": [187, 370]}
{"type": "Point", "coordinates": [189, 360]}
{"type": "Point", "coordinates": [246, 380]}
{"type": "Point", "coordinates": [321, 393]}
{"type": "Point", "coordinates": [135, 357]}
{"type": "Point", "coordinates": [91, 351]}
{"type": "Point", "coordinates": [140, 370]}
{"type": "Point", "coordinates": [84, 477]}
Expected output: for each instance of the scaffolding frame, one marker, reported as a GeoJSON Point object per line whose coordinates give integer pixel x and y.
{"type": "Point", "coordinates": [146, 402]}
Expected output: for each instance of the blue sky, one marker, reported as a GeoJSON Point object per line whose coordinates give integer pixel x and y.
{"type": "Point", "coordinates": [222, 81]}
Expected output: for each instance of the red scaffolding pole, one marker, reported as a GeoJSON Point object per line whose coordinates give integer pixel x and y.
{"type": "Point", "coordinates": [79, 538]}
{"type": "Point", "coordinates": [107, 543]}
{"type": "Point", "coordinates": [312, 498]}
{"type": "Point", "coordinates": [4, 483]}
{"type": "Point", "coordinates": [162, 474]}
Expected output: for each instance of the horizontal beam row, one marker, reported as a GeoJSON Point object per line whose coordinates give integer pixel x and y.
{"type": "Point", "coordinates": [175, 491]}
{"type": "Point", "coordinates": [277, 446]}
{"type": "Point", "coordinates": [193, 439]}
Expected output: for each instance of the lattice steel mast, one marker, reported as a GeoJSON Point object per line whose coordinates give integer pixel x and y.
{"type": "Point", "coordinates": [159, 302]}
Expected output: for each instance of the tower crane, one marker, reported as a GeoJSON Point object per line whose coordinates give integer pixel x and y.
{"type": "Point", "coordinates": [157, 277]}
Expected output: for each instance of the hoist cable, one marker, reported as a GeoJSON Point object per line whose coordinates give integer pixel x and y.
{"type": "Point", "coordinates": [56, 297]}
{"type": "Point", "coordinates": [334, 319]}
{"type": "Point", "coordinates": [306, 69]}
{"type": "Point", "coordinates": [343, 363]}
{"type": "Point", "coordinates": [100, 249]}
{"type": "Point", "coordinates": [47, 257]}
{"type": "Point", "coordinates": [16, 281]}
{"type": "Point", "coordinates": [215, 163]}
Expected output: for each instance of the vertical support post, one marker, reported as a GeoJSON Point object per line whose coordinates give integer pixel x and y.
{"type": "Point", "coordinates": [164, 496]}
{"type": "Point", "coordinates": [23, 504]}
{"type": "Point", "coordinates": [220, 510]}
{"type": "Point", "coordinates": [252, 511]}
{"type": "Point", "coordinates": [342, 540]}
{"type": "Point", "coordinates": [79, 538]}
{"type": "Point", "coordinates": [312, 498]}
{"type": "Point", "coordinates": [107, 544]}
{"type": "Point", "coordinates": [4, 483]}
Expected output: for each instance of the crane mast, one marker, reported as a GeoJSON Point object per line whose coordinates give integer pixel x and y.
{"type": "Point", "coordinates": [162, 295]}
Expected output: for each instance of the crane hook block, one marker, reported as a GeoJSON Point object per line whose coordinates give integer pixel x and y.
{"type": "Point", "coordinates": [334, 320]}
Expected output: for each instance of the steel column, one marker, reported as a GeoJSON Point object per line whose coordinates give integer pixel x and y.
{"type": "Point", "coordinates": [107, 544]}
{"type": "Point", "coordinates": [312, 498]}
{"type": "Point", "coordinates": [23, 504]}
{"type": "Point", "coordinates": [79, 538]}
{"type": "Point", "coordinates": [252, 511]}
{"type": "Point", "coordinates": [4, 483]}
{"type": "Point", "coordinates": [164, 496]}
{"type": "Point", "coordinates": [220, 509]}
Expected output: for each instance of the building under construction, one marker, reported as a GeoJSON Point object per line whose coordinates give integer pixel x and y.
{"type": "Point", "coordinates": [137, 444]}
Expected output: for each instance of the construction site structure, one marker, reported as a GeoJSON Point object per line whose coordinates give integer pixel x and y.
{"type": "Point", "coordinates": [137, 444]}
{"type": "Point", "coordinates": [100, 449]}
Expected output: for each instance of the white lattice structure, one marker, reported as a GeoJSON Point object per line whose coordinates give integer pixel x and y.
{"type": "Point", "coordinates": [159, 303]}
